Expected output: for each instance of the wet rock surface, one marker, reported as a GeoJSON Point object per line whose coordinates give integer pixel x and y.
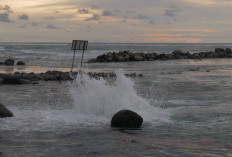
{"type": "Point", "coordinates": [126, 119]}
{"type": "Point", "coordinates": [11, 62]}
{"type": "Point", "coordinates": [32, 78]}
{"type": "Point", "coordinates": [4, 112]}
{"type": "Point", "coordinates": [127, 56]}
{"type": "Point", "coordinates": [21, 63]}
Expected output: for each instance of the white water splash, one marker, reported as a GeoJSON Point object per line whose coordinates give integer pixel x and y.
{"type": "Point", "coordinates": [93, 97]}
{"type": "Point", "coordinates": [94, 104]}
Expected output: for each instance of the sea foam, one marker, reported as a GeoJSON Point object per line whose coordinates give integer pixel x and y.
{"type": "Point", "coordinates": [98, 97]}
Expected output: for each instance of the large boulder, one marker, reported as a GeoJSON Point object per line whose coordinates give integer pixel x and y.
{"type": "Point", "coordinates": [228, 50]}
{"type": "Point", "coordinates": [126, 119]}
{"type": "Point", "coordinates": [217, 50]}
{"type": "Point", "coordinates": [177, 52]}
{"type": "Point", "coordinates": [9, 62]}
{"type": "Point", "coordinates": [137, 57]}
{"type": "Point", "coordinates": [120, 59]}
{"type": "Point", "coordinates": [20, 63]}
{"type": "Point", "coordinates": [4, 112]}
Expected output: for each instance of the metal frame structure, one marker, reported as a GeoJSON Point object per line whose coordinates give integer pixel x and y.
{"type": "Point", "coordinates": [79, 45]}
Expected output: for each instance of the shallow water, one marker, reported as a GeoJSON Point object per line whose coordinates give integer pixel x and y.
{"type": "Point", "coordinates": [186, 106]}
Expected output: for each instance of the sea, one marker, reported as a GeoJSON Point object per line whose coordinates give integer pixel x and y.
{"type": "Point", "coordinates": [186, 104]}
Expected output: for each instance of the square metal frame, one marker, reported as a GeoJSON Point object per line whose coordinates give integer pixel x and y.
{"type": "Point", "coordinates": [79, 45]}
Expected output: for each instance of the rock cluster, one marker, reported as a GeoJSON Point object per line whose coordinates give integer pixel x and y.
{"type": "Point", "coordinates": [127, 56]}
{"type": "Point", "coordinates": [11, 62]}
{"type": "Point", "coordinates": [126, 119]}
{"type": "Point", "coordinates": [32, 78]}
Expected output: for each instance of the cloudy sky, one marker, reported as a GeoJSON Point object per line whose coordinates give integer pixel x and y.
{"type": "Point", "coordinates": [193, 21]}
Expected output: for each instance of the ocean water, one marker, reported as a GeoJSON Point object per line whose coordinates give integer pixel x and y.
{"type": "Point", "coordinates": [186, 104]}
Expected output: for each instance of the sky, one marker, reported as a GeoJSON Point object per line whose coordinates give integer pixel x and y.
{"type": "Point", "coordinates": [123, 21]}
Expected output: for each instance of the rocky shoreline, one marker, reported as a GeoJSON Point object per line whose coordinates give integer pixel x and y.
{"type": "Point", "coordinates": [33, 78]}
{"type": "Point", "coordinates": [127, 56]}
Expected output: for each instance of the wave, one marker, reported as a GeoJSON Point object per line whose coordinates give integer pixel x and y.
{"type": "Point", "coordinates": [93, 97]}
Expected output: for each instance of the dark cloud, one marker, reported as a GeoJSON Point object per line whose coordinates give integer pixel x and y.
{"type": "Point", "coordinates": [6, 8]}
{"type": "Point", "coordinates": [23, 17]}
{"type": "Point", "coordinates": [172, 11]}
{"type": "Point", "coordinates": [107, 13]}
{"type": "Point", "coordinates": [83, 11]}
{"type": "Point", "coordinates": [4, 17]}
{"type": "Point", "coordinates": [142, 16]}
{"type": "Point", "coordinates": [95, 17]}
{"type": "Point", "coordinates": [52, 27]}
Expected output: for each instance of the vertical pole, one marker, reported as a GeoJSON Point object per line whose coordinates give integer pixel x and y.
{"type": "Point", "coordinates": [82, 57]}
{"type": "Point", "coordinates": [73, 60]}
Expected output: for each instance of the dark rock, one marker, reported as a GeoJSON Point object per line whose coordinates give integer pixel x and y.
{"type": "Point", "coordinates": [1, 80]}
{"type": "Point", "coordinates": [9, 62]}
{"type": "Point", "coordinates": [120, 59]}
{"type": "Point", "coordinates": [12, 79]}
{"type": "Point", "coordinates": [209, 54]}
{"type": "Point", "coordinates": [109, 59]}
{"type": "Point", "coordinates": [221, 54]}
{"type": "Point", "coordinates": [20, 63]}
{"type": "Point", "coordinates": [127, 57]}
{"type": "Point", "coordinates": [30, 78]}
{"type": "Point", "coordinates": [219, 50]}
{"type": "Point", "coordinates": [170, 56]}
{"type": "Point", "coordinates": [196, 69]}
{"type": "Point", "coordinates": [4, 112]}
{"type": "Point", "coordinates": [126, 119]}
{"type": "Point", "coordinates": [177, 52]}
{"type": "Point", "coordinates": [24, 81]}
{"type": "Point", "coordinates": [178, 56]}
{"type": "Point", "coordinates": [228, 50]}
{"type": "Point", "coordinates": [202, 54]}
{"type": "Point", "coordinates": [196, 56]}
{"type": "Point", "coordinates": [137, 57]}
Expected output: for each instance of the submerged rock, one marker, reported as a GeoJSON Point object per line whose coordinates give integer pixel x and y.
{"type": "Point", "coordinates": [4, 112]}
{"type": "Point", "coordinates": [126, 119]}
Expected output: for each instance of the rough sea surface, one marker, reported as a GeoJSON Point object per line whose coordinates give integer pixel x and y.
{"type": "Point", "coordinates": [186, 104]}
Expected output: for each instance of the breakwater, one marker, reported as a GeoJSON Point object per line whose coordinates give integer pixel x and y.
{"type": "Point", "coordinates": [127, 56]}
{"type": "Point", "coordinates": [33, 78]}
